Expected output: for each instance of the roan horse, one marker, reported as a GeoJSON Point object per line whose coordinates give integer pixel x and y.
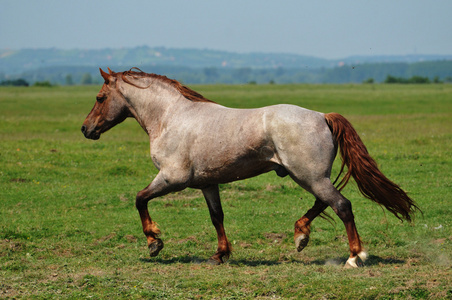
{"type": "Point", "coordinates": [197, 143]}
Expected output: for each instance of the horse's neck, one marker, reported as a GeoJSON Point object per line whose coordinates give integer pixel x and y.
{"type": "Point", "coordinates": [151, 105]}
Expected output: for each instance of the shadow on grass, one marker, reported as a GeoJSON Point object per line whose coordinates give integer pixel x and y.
{"type": "Point", "coordinates": [340, 261]}
{"type": "Point", "coordinates": [373, 260]}
{"type": "Point", "coordinates": [376, 260]}
{"type": "Point", "coordinates": [254, 263]}
{"type": "Point", "coordinates": [176, 260]}
{"type": "Point", "coordinates": [199, 260]}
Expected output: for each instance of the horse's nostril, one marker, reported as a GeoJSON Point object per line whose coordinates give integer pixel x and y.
{"type": "Point", "coordinates": [83, 129]}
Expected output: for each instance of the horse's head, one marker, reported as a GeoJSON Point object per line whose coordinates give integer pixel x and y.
{"type": "Point", "coordinates": [110, 109]}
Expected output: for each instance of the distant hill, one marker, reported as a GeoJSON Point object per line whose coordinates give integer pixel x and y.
{"type": "Point", "coordinates": [17, 61]}
{"type": "Point", "coordinates": [201, 65]}
{"type": "Point", "coordinates": [411, 58]}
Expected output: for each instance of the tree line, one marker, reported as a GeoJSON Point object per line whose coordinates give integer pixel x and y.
{"type": "Point", "coordinates": [424, 72]}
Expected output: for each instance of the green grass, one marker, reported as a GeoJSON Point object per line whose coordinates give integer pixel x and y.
{"type": "Point", "coordinates": [69, 227]}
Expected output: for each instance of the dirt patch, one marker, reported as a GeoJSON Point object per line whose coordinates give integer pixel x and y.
{"type": "Point", "coordinates": [245, 245]}
{"type": "Point", "coordinates": [275, 237]}
{"type": "Point", "coordinates": [130, 238]}
{"type": "Point", "coordinates": [269, 187]}
{"type": "Point", "coordinates": [105, 238]}
{"type": "Point", "coordinates": [62, 252]}
{"type": "Point", "coordinates": [7, 291]}
{"type": "Point", "coordinates": [439, 241]}
{"type": "Point", "coordinates": [20, 180]}
{"type": "Point", "coordinates": [190, 238]}
{"type": "Point", "coordinates": [10, 245]}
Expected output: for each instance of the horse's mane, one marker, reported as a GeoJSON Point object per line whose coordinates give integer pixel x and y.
{"type": "Point", "coordinates": [185, 91]}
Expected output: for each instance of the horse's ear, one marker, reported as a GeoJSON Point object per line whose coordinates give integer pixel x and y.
{"type": "Point", "coordinates": [105, 75]}
{"type": "Point", "coordinates": [110, 71]}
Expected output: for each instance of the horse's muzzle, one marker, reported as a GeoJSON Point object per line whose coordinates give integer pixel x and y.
{"type": "Point", "coordinates": [93, 135]}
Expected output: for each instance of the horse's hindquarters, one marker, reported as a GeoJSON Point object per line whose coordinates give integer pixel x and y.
{"type": "Point", "coordinates": [303, 143]}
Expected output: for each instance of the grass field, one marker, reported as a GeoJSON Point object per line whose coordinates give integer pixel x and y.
{"type": "Point", "coordinates": [69, 227]}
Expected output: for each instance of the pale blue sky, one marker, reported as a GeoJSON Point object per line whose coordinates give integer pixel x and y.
{"type": "Point", "coordinates": [327, 29]}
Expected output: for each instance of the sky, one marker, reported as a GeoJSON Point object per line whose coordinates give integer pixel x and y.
{"type": "Point", "coordinates": [327, 29]}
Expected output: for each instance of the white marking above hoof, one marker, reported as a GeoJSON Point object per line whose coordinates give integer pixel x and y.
{"type": "Point", "coordinates": [363, 255]}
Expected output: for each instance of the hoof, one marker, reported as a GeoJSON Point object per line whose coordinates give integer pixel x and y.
{"type": "Point", "coordinates": [301, 241]}
{"type": "Point", "coordinates": [214, 262]}
{"type": "Point", "coordinates": [357, 261]}
{"type": "Point", "coordinates": [155, 247]}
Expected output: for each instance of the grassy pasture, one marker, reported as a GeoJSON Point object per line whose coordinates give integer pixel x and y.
{"type": "Point", "coordinates": [69, 228]}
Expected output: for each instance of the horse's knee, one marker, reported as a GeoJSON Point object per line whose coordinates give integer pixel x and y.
{"type": "Point", "coordinates": [141, 201]}
{"type": "Point", "coordinates": [139, 204]}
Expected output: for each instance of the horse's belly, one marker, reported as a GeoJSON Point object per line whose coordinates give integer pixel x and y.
{"type": "Point", "coordinates": [239, 170]}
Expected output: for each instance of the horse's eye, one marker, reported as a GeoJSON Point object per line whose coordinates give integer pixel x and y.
{"type": "Point", "coordinates": [100, 98]}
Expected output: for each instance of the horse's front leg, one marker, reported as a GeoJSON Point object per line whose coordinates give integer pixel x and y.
{"type": "Point", "coordinates": [159, 186]}
{"type": "Point", "coordinates": [212, 196]}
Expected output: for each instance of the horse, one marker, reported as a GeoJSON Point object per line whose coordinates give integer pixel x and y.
{"type": "Point", "coordinates": [197, 143]}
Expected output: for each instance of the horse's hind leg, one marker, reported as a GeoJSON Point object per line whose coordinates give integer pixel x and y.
{"type": "Point", "coordinates": [327, 193]}
{"type": "Point", "coordinates": [212, 196]}
{"type": "Point", "coordinates": [303, 225]}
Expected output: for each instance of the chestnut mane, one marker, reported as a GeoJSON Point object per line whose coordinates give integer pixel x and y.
{"type": "Point", "coordinates": [185, 91]}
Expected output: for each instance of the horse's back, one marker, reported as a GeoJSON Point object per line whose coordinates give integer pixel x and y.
{"type": "Point", "coordinates": [289, 113]}
{"type": "Point", "coordinates": [290, 123]}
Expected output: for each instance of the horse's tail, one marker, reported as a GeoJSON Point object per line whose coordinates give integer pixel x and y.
{"type": "Point", "coordinates": [370, 180]}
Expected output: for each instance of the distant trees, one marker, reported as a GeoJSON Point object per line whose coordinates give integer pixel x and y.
{"type": "Point", "coordinates": [211, 73]}
{"type": "Point", "coordinates": [68, 79]}
{"type": "Point", "coordinates": [45, 83]}
{"type": "Point", "coordinates": [23, 82]}
{"type": "Point", "coordinates": [413, 79]}
{"type": "Point", "coordinates": [15, 82]}
{"type": "Point", "coordinates": [243, 74]}
{"type": "Point", "coordinates": [86, 79]}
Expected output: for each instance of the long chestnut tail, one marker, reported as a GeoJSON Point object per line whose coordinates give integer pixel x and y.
{"type": "Point", "coordinates": [363, 168]}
